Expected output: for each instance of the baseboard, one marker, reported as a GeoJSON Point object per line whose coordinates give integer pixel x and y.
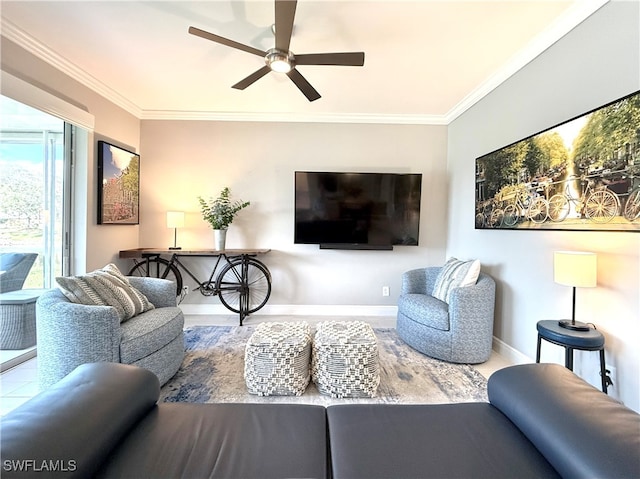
{"type": "Point", "coordinates": [510, 353]}
{"type": "Point", "coordinates": [297, 309]}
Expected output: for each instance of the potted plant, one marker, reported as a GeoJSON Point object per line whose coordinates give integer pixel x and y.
{"type": "Point", "coordinates": [219, 213]}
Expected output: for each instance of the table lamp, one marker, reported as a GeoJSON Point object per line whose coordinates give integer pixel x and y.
{"type": "Point", "coordinates": [175, 220]}
{"type": "Point", "coordinates": [579, 270]}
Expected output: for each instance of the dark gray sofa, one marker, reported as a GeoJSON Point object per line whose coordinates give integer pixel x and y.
{"type": "Point", "coordinates": [103, 421]}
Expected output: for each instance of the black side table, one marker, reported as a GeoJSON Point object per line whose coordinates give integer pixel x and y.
{"type": "Point", "coordinates": [592, 340]}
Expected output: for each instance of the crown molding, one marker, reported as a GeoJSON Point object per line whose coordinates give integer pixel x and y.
{"type": "Point", "coordinates": [293, 117]}
{"type": "Point", "coordinates": [44, 53]}
{"type": "Point", "coordinates": [573, 17]}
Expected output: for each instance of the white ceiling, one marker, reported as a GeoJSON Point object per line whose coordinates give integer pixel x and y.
{"type": "Point", "coordinates": [425, 61]}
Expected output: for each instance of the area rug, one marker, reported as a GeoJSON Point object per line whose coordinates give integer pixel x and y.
{"type": "Point", "coordinates": [213, 372]}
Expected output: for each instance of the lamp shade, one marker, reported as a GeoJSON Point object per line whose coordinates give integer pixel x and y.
{"type": "Point", "coordinates": [175, 219]}
{"type": "Point", "coordinates": [575, 268]}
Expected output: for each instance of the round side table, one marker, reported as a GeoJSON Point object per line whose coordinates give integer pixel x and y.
{"type": "Point", "coordinates": [592, 340]}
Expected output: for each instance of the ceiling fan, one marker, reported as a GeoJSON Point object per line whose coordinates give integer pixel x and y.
{"type": "Point", "coordinates": [281, 59]}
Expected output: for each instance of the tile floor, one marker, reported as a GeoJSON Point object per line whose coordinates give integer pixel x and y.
{"type": "Point", "coordinates": [20, 383]}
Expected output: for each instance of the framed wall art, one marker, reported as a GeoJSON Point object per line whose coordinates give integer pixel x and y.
{"type": "Point", "coordinates": [118, 185]}
{"type": "Point", "coordinates": [583, 174]}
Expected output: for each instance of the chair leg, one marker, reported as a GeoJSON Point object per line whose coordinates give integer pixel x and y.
{"type": "Point", "coordinates": [568, 358]}
{"type": "Point", "coordinates": [603, 372]}
{"type": "Point", "coordinates": [538, 348]}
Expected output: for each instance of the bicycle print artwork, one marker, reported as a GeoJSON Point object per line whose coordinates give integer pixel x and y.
{"type": "Point", "coordinates": [583, 174]}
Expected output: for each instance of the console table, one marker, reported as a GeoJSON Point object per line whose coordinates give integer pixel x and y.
{"type": "Point", "coordinates": [242, 282]}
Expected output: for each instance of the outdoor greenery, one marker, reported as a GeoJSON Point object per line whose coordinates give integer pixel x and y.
{"type": "Point", "coordinates": [221, 211]}
{"type": "Point", "coordinates": [601, 141]}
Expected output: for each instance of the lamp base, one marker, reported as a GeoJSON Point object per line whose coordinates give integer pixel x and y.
{"type": "Point", "coordinates": [574, 325]}
{"type": "Point", "coordinates": [175, 247]}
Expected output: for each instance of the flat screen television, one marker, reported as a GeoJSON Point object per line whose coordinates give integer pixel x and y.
{"type": "Point", "coordinates": [357, 210]}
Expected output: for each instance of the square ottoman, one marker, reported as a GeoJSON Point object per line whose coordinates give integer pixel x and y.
{"type": "Point", "coordinates": [344, 361]}
{"type": "Point", "coordinates": [277, 357]}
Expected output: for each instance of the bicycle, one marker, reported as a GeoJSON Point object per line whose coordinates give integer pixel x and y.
{"type": "Point", "coordinates": [243, 284]}
{"type": "Point", "coordinates": [632, 206]}
{"type": "Point", "coordinates": [527, 206]}
{"type": "Point", "coordinates": [599, 205]}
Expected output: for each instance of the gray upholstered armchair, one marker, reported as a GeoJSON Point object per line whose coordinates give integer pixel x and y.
{"type": "Point", "coordinates": [458, 332]}
{"type": "Point", "coordinates": [70, 334]}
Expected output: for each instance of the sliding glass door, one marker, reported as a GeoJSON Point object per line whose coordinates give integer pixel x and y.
{"type": "Point", "coordinates": [35, 173]}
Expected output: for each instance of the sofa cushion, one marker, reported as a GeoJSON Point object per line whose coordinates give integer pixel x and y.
{"type": "Point", "coordinates": [425, 309]}
{"type": "Point", "coordinates": [249, 441]}
{"type": "Point", "coordinates": [455, 274]}
{"type": "Point", "coordinates": [370, 441]}
{"type": "Point", "coordinates": [105, 287]}
{"type": "Point", "coordinates": [148, 332]}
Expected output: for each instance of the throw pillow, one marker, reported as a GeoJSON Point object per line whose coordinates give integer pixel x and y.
{"type": "Point", "coordinates": [105, 287]}
{"type": "Point", "coordinates": [455, 274]}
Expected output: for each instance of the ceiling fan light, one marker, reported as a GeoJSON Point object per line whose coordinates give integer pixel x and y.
{"type": "Point", "coordinates": [280, 66]}
{"type": "Point", "coordinates": [279, 61]}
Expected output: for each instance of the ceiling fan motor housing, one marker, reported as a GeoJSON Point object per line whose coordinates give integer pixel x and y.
{"type": "Point", "coordinates": [280, 61]}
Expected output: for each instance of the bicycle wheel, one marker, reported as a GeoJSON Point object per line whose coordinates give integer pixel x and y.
{"type": "Point", "coordinates": [510, 215]}
{"type": "Point", "coordinates": [479, 220]}
{"type": "Point", "coordinates": [158, 268]}
{"type": "Point", "coordinates": [601, 206]}
{"type": "Point", "coordinates": [632, 207]}
{"type": "Point", "coordinates": [538, 210]}
{"type": "Point", "coordinates": [233, 291]}
{"type": "Point", "coordinates": [495, 219]}
{"type": "Point", "coordinates": [558, 208]}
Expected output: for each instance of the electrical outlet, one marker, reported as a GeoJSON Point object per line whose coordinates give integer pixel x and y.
{"type": "Point", "coordinates": [185, 289]}
{"type": "Point", "coordinates": [385, 291]}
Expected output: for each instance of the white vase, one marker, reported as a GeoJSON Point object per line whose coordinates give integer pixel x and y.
{"type": "Point", "coordinates": [219, 239]}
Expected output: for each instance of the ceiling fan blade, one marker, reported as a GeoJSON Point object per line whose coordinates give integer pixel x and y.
{"type": "Point", "coordinates": [304, 86]}
{"type": "Point", "coordinates": [353, 59]}
{"type": "Point", "coordinates": [285, 13]}
{"type": "Point", "coordinates": [255, 76]}
{"type": "Point", "coordinates": [225, 41]}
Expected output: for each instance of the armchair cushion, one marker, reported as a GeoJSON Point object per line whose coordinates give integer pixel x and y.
{"type": "Point", "coordinates": [455, 274]}
{"type": "Point", "coordinates": [426, 310]}
{"type": "Point", "coordinates": [105, 287]}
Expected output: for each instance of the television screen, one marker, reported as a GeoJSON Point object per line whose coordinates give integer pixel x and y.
{"type": "Point", "coordinates": [353, 210]}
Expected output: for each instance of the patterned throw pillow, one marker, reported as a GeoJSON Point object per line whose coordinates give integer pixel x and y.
{"type": "Point", "coordinates": [105, 287]}
{"type": "Point", "coordinates": [455, 274]}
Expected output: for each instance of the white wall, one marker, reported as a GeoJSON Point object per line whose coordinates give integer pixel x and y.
{"type": "Point", "coordinates": [184, 159]}
{"type": "Point", "coordinates": [596, 63]}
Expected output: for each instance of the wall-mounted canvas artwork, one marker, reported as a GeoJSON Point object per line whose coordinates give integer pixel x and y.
{"type": "Point", "coordinates": [118, 185]}
{"type": "Point", "coordinates": [583, 174]}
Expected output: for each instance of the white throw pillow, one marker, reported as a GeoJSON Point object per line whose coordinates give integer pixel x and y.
{"type": "Point", "coordinates": [105, 287]}
{"type": "Point", "coordinates": [455, 274]}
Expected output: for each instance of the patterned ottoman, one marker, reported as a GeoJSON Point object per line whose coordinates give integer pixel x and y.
{"type": "Point", "coordinates": [276, 360]}
{"type": "Point", "coordinates": [344, 360]}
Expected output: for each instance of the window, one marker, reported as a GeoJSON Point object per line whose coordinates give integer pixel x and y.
{"type": "Point", "coordinates": [34, 168]}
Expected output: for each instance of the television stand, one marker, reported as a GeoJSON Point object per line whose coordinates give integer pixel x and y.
{"type": "Point", "coordinates": [357, 246]}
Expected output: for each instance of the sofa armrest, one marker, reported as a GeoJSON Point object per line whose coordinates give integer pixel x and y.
{"type": "Point", "coordinates": [580, 430]}
{"type": "Point", "coordinates": [161, 292]}
{"type": "Point", "coordinates": [73, 426]}
{"type": "Point", "coordinates": [70, 334]}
